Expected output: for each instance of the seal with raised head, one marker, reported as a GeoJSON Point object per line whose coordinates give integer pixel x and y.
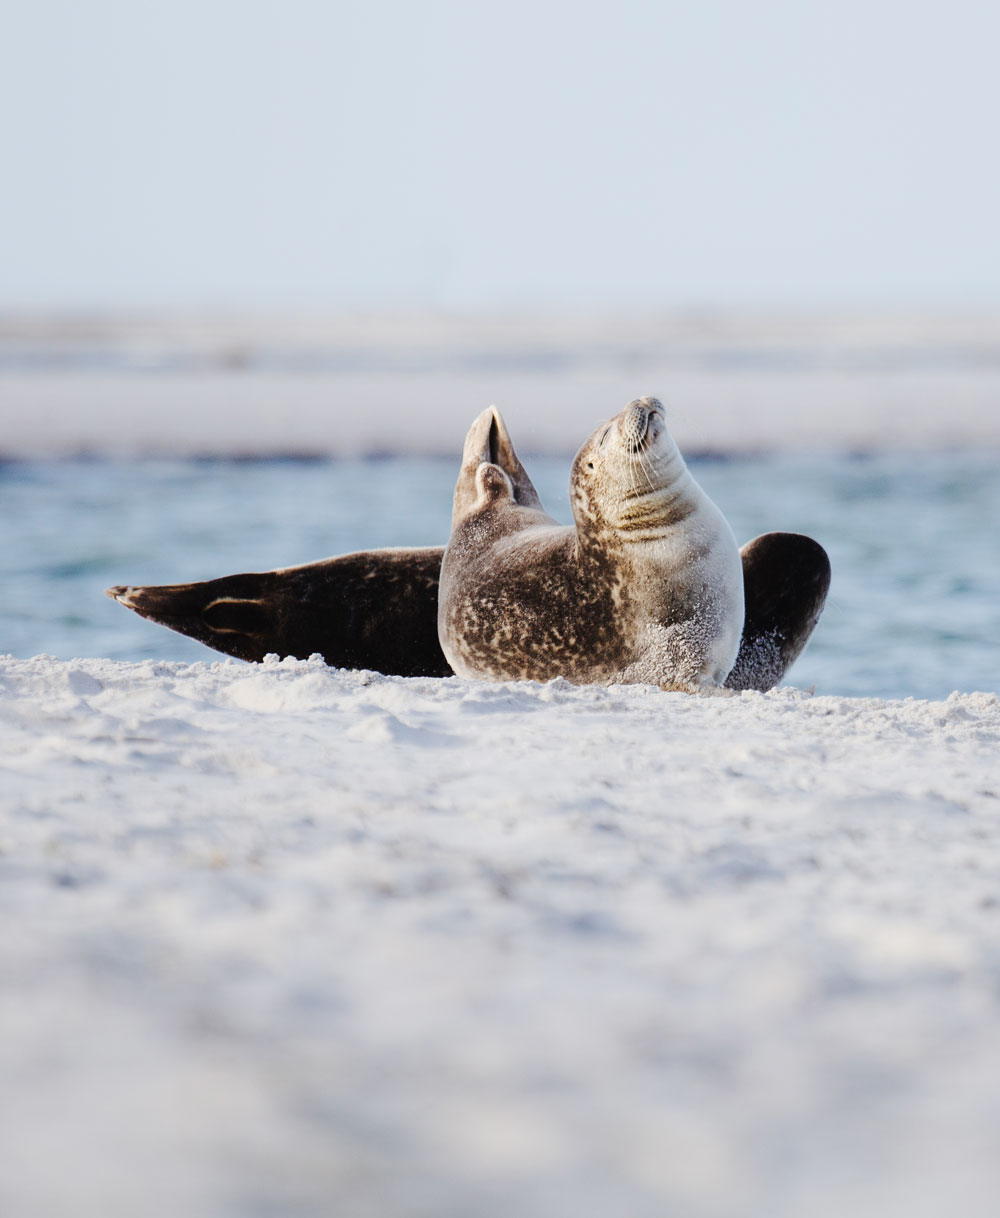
{"type": "Point", "coordinates": [378, 609]}
{"type": "Point", "coordinates": [645, 586]}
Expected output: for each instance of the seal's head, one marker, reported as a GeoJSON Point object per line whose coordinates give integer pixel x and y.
{"type": "Point", "coordinates": [623, 475]}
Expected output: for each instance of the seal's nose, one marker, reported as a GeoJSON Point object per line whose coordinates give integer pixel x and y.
{"type": "Point", "coordinates": [635, 415]}
{"type": "Point", "coordinates": [633, 423]}
{"type": "Point", "coordinates": [635, 419]}
{"type": "Point", "coordinates": [654, 405]}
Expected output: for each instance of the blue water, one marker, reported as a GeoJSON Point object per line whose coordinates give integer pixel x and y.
{"type": "Point", "coordinates": [914, 540]}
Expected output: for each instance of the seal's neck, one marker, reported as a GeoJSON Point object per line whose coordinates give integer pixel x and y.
{"type": "Point", "coordinates": [649, 513]}
{"type": "Point", "coordinates": [647, 499]}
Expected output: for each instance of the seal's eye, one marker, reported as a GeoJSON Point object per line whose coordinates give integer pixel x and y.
{"type": "Point", "coordinates": [590, 465]}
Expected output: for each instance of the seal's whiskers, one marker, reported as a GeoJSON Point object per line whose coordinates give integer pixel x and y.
{"type": "Point", "coordinates": [646, 468]}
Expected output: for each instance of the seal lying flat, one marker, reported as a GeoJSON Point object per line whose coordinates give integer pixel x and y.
{"type": "Point", "coordinates": [645, 586]}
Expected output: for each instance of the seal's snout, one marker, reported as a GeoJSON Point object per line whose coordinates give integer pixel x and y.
{"type": "Point", "coordinates": [636, 420]}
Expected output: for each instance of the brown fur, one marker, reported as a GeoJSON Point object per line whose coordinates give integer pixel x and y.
{"type": "Point", "coordinates": [631, 592]}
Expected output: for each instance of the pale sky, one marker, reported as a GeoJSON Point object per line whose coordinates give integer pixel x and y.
{"type": "Point", "coordinates": [308, 154]}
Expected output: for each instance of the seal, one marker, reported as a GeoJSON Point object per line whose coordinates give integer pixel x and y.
{"type": "Point", "coordinates": [645, 586]}
{"type": "Point", "coordinates": [378, 609]}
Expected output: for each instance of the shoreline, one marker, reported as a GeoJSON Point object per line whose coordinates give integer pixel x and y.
{"type": "Point", "coordinates": [410, 383]}
{"type": "Point", "coordinates": [184, 415]}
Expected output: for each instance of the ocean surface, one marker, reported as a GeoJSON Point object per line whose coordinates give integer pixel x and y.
{"type": "Point", "coordinates": [914, 608]}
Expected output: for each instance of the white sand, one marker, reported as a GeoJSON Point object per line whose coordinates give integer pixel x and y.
{"type": "Point", "coordinates": [284, 940]}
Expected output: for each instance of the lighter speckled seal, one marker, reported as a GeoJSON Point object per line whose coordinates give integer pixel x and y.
{"type": "Point", "coordinates": [645, 586]}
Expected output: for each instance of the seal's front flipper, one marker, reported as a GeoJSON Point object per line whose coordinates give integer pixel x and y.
{"type": "Point", "coordinates": [375, 609]}
{"type": "Point", "coordinates": [785, 581]}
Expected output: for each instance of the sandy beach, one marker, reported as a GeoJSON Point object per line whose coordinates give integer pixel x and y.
{"type": "Point", "coordinates": [285, 939]}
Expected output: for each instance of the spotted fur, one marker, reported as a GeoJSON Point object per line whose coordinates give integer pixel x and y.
{"type": "Point", "coordinates": [646, 585]}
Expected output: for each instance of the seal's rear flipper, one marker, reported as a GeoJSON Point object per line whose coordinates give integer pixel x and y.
{"type": "Point", "coordinates": [375, 609]}
{"type": "Point", "coordinates": [785, 581]}
{"type": "Point", "coordinates": [488, 442]}
{"type": "Point", "coordinates": [237, 614]}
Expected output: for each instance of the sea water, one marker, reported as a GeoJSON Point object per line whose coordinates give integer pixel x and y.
{"type": "Point", "coordinates": [914, 607]}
